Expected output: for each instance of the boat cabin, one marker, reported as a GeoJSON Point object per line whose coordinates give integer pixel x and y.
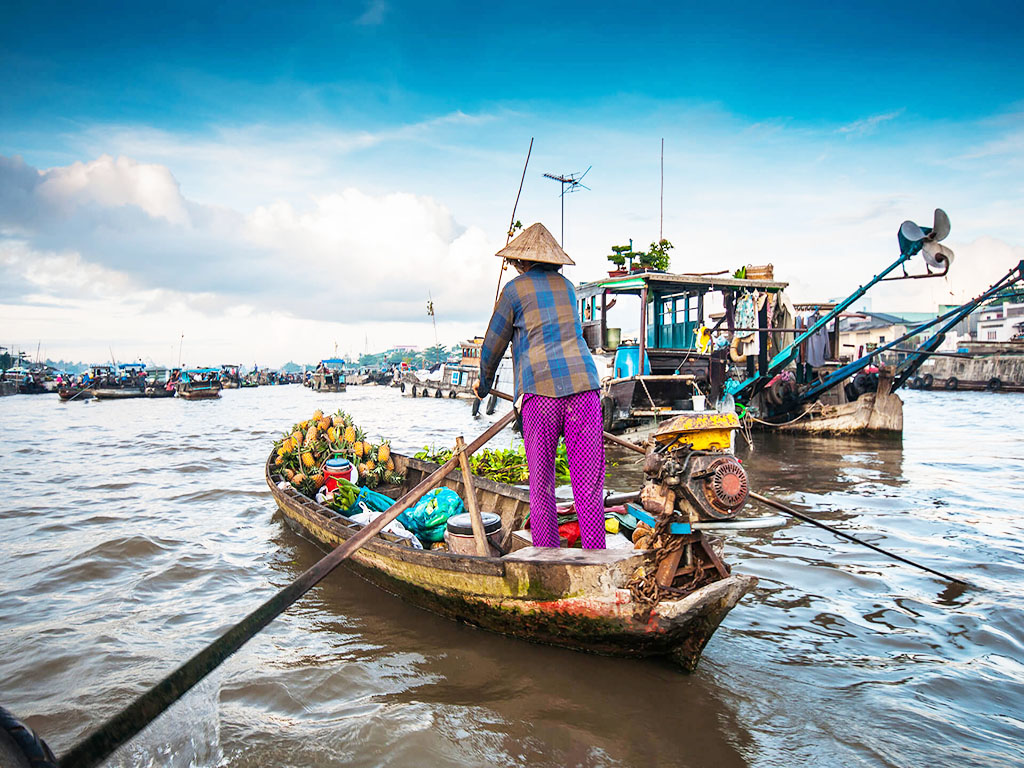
{"type": "Point", "coordinates": [198, 377]}
{"type": "Point", "coordinates": [231, 374]}
{"type": "Point", "coordinates": [467, 370]}
{"type": "Point", "coordinates": [129, 374]}
{"type": "Point", "coordinates": [679, 351]}
{"type": "Point", "coordinates": [471, 351]}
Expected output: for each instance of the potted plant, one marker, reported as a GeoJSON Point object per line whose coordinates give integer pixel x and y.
{"type": "Point", "coordinates": [656, 259]}
{"type": "Point", "coordinates": [639, 266]}
{"type": "Point", "coordinates": [618, 258]}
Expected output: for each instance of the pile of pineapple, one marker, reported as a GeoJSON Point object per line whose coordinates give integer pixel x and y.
{"type": "Point", "coordinates": [301, 453]}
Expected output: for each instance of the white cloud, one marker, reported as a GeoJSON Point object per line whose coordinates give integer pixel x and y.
{"type": "Point", "coordinates": [114, 236]}
{"type": "Point", "coordinates": [112, 183]}
{"type": "Point", "coordinates": [374, 13]}
{"type": "Point", "coordinates": [341, 233]}
{"type": "Point", "coordinates": [867, 125]}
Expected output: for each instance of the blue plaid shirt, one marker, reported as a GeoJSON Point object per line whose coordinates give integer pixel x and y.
{"type": "Point", "coordinates": [537, 313]}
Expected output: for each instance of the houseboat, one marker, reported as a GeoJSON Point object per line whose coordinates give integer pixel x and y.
{"type": "Point", "coordinates": [776, 362]}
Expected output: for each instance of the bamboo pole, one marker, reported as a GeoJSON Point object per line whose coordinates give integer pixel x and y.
{"type": "Point", "coordinates": [482, 548]}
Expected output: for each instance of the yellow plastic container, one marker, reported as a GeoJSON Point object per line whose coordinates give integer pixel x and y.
{"type": "Point", "coordinates": [702, 432]}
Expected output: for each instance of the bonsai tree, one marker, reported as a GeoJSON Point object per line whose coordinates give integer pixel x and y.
{"type": "Point", "coordinates": [623, 253]}
{"type": "Point", "coordinates": [657, 257]}
{"type": "Point", "coordinates": [618, 255]}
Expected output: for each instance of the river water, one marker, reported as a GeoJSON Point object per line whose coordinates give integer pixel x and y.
{"type": "Point", "coordinates": [134, 532]}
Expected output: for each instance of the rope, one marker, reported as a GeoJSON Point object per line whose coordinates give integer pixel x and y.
{"type": "Point", "coordinates": [817, 408]}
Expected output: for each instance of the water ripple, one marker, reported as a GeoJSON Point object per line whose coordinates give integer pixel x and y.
{"type": "Point", "coordinates": [135, 532]}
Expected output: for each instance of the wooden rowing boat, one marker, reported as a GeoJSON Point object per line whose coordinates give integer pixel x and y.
{"type": "Point", "coordinates": [74, 393]}
{"type": "Point", "coordinates": [572, 598]}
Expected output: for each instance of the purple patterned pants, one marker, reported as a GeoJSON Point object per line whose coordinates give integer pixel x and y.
{"type": "Point", "coordinates": [578, 417]}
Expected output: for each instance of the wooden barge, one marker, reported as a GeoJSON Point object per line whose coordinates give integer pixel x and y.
{"type": "Point", "coordinates": [572, 598]}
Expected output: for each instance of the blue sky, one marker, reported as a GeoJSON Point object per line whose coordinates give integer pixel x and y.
{"type": "Point", "coordinates": [187, 65]}
{"type": "Point", "coordinates": [180, 158]}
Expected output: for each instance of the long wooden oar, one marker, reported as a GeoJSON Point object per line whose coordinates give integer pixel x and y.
{"type": "Point", "coordinates": [808, 519]}
{"type": "Point", "coordinates": [98, 746]}
{"type": "Point", "coordinates": [83, 389]}
{"type": "Point", "coordinates": [789, 510]}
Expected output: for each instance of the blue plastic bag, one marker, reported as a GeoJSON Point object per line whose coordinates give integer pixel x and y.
{"type": "Point", "coordinates": [429, 517]}
{"type": "Point", "coordinates": [368, 501]}
{"type": "Point", "coordinates": [377, 502]}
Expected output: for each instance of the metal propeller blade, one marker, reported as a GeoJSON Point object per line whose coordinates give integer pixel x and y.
{"type": "Point", "coordinates": [940, 230]}
{"type": "Point", "coordinates": [937, 255]}
{"type": "Point", "coordinates": [911, 232]}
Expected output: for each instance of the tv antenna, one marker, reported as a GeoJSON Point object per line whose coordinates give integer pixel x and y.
{"type": "Point", "coordinates": [574, 182]}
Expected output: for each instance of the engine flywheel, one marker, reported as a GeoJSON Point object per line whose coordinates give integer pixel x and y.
{"type": "Point", "coordinates": [728, 485]}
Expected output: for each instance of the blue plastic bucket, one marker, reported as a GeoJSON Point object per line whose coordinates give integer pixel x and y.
{"type": "Point", "coordinates": [627, 361]}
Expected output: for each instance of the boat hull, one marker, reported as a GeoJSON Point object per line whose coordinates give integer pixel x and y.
{"type": "Point", "coordinates": [876, 413]}
{"type": "Point", "coordinates": [118, 394]}
{"type": "Point", "coordinates": [574, 599]}
{"type": "Point", "coordinates": [74, 393]}
{"type": "Point", "coordinates": [201, 394]}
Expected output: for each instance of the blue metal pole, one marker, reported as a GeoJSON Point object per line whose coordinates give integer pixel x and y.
{"type": "Point", "coordinates": [785, 356]}
{"type": "Point", "coordinates": [950, 319]}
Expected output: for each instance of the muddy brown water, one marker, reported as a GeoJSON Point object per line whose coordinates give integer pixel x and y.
{"type": "Point", "coordinates": [132, 533]}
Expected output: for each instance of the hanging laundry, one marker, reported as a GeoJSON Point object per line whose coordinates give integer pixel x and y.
{"type": "Point", "coordinates": [819, 347]}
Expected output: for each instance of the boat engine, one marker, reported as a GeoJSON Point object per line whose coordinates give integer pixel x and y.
{"type": "Point", "coordinates": [692, 458]}
{"type": "Point", "coordinates": [692, 477]}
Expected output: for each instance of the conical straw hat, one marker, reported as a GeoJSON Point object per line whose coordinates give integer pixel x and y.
{"type": "Point", "coordinates": [535, 243]}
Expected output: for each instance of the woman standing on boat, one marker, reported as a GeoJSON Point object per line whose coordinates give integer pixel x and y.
{"type": "Point", "coordinates": [556, 384]}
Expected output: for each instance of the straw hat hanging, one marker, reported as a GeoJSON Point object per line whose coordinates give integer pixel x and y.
{"type": "Point", "coordinates": [535, 244]}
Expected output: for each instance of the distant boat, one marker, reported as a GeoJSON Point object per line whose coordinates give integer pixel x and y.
{"type": "Point", "coordinates": [329, 376]}
{"type": "Point", "coordinates": [122, 393]}
{"type": "Point", "coordinates": [25, 381]}
{"type": "Point", "coordinates": [230, 378]}
{"type": "Point", "coordinates": [97, 376]}
{"type": "Point", "coordinates": [200, 384]}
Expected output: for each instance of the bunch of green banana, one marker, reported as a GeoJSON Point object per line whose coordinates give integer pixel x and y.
{"type": "Point", "coordinates": [345, 496]}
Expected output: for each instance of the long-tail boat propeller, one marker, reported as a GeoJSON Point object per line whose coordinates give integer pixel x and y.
{"type": "Point", "coordinates": [937, 256]}
{"type": "Point", "coordinates": [916, 239]}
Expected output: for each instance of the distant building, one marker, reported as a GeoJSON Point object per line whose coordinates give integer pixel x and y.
{"type": "Point", "coordinates": [861, 333]}
{"type": "Point", "coordinates": [1004, 322]}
